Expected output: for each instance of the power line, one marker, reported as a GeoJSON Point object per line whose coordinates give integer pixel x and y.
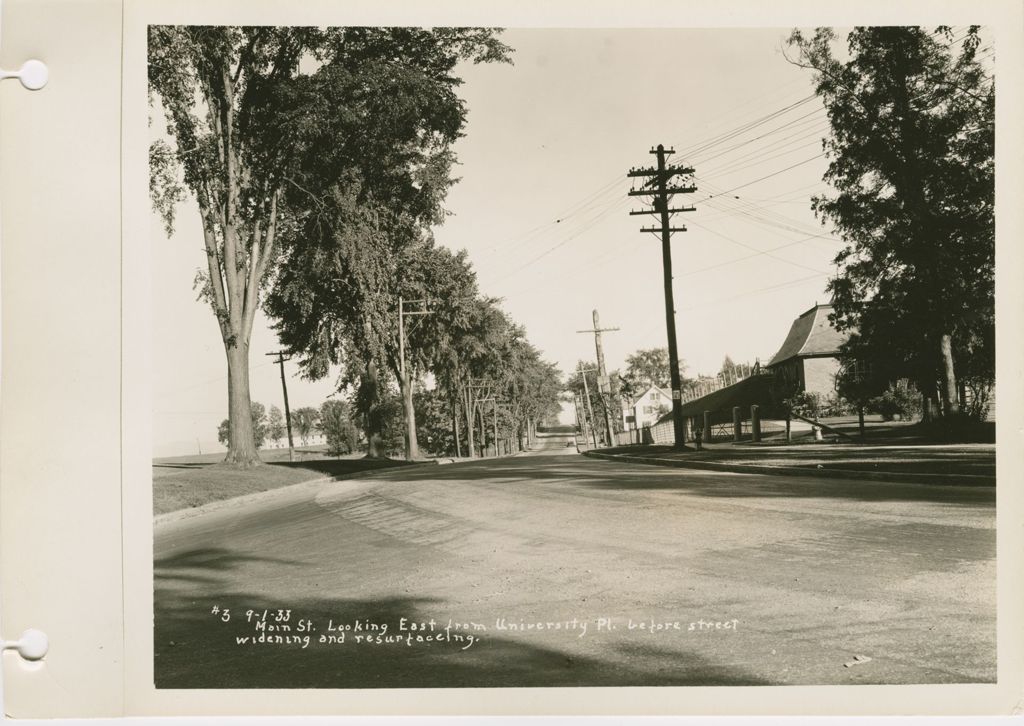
{"type": "Point", "coordinates": [748, 293]}
{"type": "Point", "coordinates": [769, 176]}
{"type": "Point", "coordinates": [598, 204]}
{"type": "Point", "coordinates": [619, 203]}
{"type": "Point", "coordinates": [766, 216]}
{"type": "Point", "coordinates": [770, 152]}
{"type": "Point", "coordinates": [595, 198]}
{"type": "Point", "coordinates": [746, 257]}
{"type": "Point", "coordinates": [769, 221]}
{"type": "Point", "coordinates": [772, 93]}
{"type": "Point", "coordinates": [755, 249]}
{"type": "Point", "coordinates": [728, 135]}
{"type": "Point", "coordinates": [791, 124]}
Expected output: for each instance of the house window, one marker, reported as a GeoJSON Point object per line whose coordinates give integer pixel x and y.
{"type": "Point", "coordinates": [655, 396]}
{"type": "Point", "coordinates": [648, 409]}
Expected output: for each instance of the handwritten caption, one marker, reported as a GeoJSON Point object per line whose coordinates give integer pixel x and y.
{"type": "Point", "coordinates": [290, 628]}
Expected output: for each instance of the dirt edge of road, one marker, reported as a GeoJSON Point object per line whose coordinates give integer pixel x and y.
{"type": "Point", "coordinates": [298, 487]}
{"type": "Point", "coordinates": [965, 480]}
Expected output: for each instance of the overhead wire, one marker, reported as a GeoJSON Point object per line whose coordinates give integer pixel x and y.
{"type": "Point", "coordinates": [606, 206]}
{"type": "Point", "coordinates": [699, 147]}
{"type": "Point", "coordinates": [600, 196]}
{"type": "Point", "coordinates": [773, 174]}
{"type": "Point", "coordinates": [762, 217]}
{"type": "Point", "coordinates": [753, 209]}
{"type": "Point", "coordinates": [748, 293]}
{"type": "Point", "coordinates": [758, 252]}
{"type": "Point", "coordinates": [699, 158]}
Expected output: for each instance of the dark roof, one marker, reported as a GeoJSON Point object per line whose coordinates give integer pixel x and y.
{"type": "Point", "coordinates": [742, 393]}
{"type": "Point", "coordinates": [810, 334]}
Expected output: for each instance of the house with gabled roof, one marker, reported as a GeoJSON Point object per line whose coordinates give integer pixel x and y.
{"type": "Point", "coordinates": [647, 408]}
{"type": "Point", "coordinates": [808, 360]}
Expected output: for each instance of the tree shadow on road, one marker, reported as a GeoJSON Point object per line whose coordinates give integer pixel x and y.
{"type": "Point", "coordinates": [197, 647]}
{"type": "Point", "coordinates": [612, 476]}
{"type": "Point", "coordinates": [340, 467]}
{"type": "Point", "coordinates": [202, 565]}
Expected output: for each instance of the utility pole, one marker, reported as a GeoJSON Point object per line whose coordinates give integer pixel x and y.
{"type": "Point", "coordinates": [488, 385]}
{"type": "Point", "coordinates": [412, 450]}
{"type": "Point", "coordinates": [657, 186]}
{"type": "Point", "coordinates": [287, 413]}
{"type": "Point", "coordinates": [581, 416]}
{"type": "Point", "coordinates": [586, 391]}
{"type": "Point", "coordinates": [603, 384]}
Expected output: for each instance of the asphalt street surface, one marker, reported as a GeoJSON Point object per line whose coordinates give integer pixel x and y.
{"type": "Point", "coordinates": [552, 569]}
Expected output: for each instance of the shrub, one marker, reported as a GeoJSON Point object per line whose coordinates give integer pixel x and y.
{"type": "Point", "coordinates": [806, 404]}
{"type": "Point", "coordinates": [834, 405]}
{"type": "Point", "coordinates": [339, 430]}
{"type": "Point", "coordinates": [899, 399]}
{"type": "Point", "coordinates": [979, 400]}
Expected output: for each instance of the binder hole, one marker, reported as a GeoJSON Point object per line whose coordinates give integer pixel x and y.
{"type": "Point", "coordinates": [32, 645]}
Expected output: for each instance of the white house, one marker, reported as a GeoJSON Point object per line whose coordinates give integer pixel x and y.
{"type": "Point", "coordinates": [648, 407]}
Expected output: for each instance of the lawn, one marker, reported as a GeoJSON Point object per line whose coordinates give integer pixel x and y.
{"type": "Point", "coordinates": [184, 482]}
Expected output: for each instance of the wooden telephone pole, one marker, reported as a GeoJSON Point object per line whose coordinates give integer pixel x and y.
{"type": "Point", "coordinates": [658, 187]}
{"type": "Point", "coordinates": [412, 451]}
{"type": "Point", "coordinates": [590, 409]}
{"type": "Point", "coordinates": [287, 413]}
{"type": "Point", "coordinates": [603, 384]}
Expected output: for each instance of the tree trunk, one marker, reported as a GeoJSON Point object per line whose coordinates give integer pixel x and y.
{"type": "Point", "coordinates": [412, 447]}
{"type": "Point", "coordinates": [950, 404]}
{"type": "Point", "coordinates": [241, 442]}
{"type": "Point", "coordinates": [470, 433]}
{"type": "Point", "coordinates": [455, 428]}
{"type": "Point", "coordinates": [370, 396]}
{"type": "Point", "coordinates": [928, 399]}
{"type": "Point", "coordinates": [483, 432]}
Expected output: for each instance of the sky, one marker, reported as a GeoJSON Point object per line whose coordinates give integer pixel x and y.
{"type": "Point", "coordinates": [541, 206]}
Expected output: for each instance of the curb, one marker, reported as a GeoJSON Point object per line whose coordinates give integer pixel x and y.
{"type": "Point", "coordinates": [188, 513]}
{"type": "Point", "coordinates": [961, 480]}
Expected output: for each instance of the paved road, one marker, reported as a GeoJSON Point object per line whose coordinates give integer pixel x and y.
{"type": "Point", "coordinates": [726, 579]}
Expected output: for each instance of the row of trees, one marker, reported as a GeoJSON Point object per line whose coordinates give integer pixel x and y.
{"type": "Point", "coordinates": [269, 424]}
{"type": "Point", "coordinates": [438, 430]}
{"type": "Point", "coordinates": [319, 159]}
{"type": "Point", "coordinates": [644, 368]}
{"type": "Point", "coordinates": [911, 162]}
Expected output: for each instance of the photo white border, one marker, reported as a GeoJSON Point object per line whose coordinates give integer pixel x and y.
{"type": "Point", "coordinates": [63, 515]}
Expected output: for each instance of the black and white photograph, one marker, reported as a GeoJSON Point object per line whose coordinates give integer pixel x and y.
{"type": "Point", "coordinates": [503, 357]}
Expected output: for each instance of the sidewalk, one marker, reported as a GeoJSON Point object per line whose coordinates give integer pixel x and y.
{"type": "Point", "coordinates": [947, 464]}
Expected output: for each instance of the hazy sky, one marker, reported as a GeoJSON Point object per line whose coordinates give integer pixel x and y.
{"type": "Point", "coordinates": [542, 209]}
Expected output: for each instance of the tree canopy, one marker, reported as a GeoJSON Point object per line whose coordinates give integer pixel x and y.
{"type": "Point", "coordinates": [265, 125]}
{"type": "Point", "coordinates": [912, 167]}
{"type": "Point", "coordinates": [646, 368]}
